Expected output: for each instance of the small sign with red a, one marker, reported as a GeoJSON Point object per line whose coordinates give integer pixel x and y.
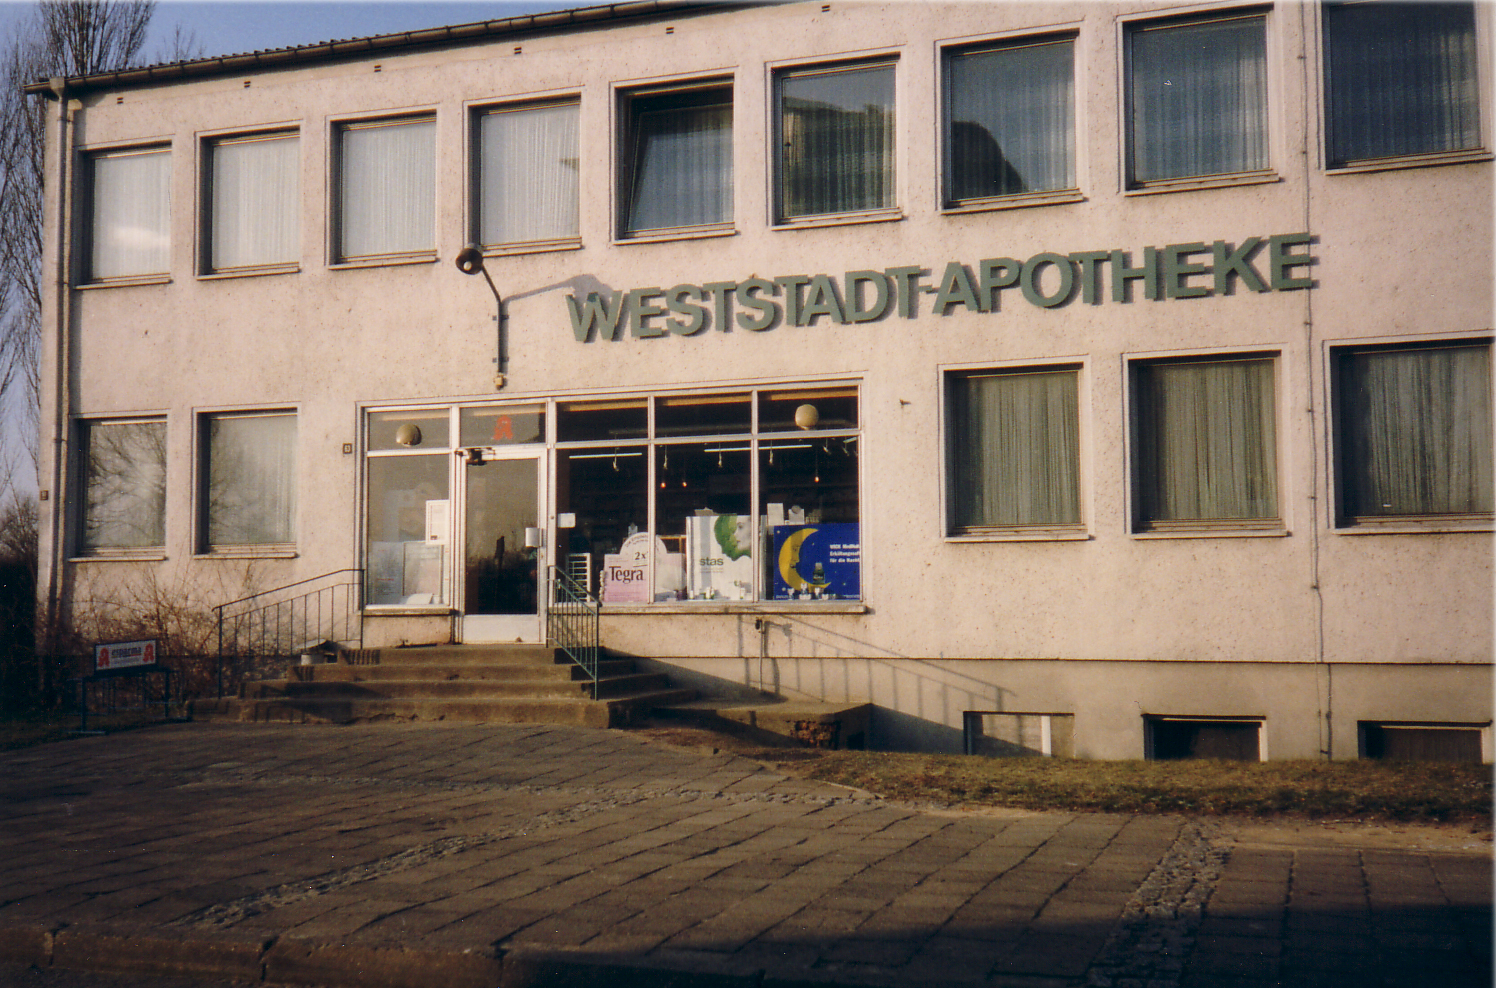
{"type": "Point", "coordinates": [119, 655]}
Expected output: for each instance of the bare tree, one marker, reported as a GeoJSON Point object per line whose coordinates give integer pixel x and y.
{"type": "Point", "coordinates": [61, 38]}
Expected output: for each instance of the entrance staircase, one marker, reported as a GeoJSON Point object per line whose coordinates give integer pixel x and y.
{"type": "Point", "coordinates": [496, 684]}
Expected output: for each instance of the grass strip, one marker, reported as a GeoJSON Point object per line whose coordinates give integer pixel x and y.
{"type": "Point", "coordinates": [1351, 789]}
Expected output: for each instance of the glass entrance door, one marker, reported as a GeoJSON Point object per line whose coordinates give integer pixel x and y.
{"type": "Point", "coordinates": [501, 576]}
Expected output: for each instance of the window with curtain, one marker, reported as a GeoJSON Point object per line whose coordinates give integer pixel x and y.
{"type": "Point", "coordinates": [387, 188]}
{"type": "Point", "coordinates": [1400, 79]}
{"type": "Point", "coordinates": [677, 159]}
{"type": "Point", "coordinates": [253, 192]}
{"type": "Point", "coordinates": [130, 218]}
{"type": "Point", "coordinates": [1197, 98]}
{"type": "Point", "coordinates": [1014, 449]}
{"type": "Point", "coordinates": [1206, 447]}
{"type": "Point", "coordinates": [123, 467]}
{"type": "Point", "coordinates": [527, 174]}
{"type": "Point", "coordinates": [836, 131]}
{"type": "Point", "coordinates": [250, 473]}
{"type": "Point", "coordinates": [1010, 120]}
{"type": "Point", "coordinates": [1415, 430]}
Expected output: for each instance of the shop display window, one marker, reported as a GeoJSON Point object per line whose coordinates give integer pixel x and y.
{"type": "Point", "coordinates": [752, 511]}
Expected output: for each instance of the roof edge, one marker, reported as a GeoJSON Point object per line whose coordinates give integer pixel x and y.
{"type": "Point", "coordinates": [304, 54]}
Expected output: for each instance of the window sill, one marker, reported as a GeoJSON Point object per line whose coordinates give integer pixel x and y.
{"type": "Point", "coordinates": [383, 261]}
{"type": "Point", "coordinates": [741, 607]}
{"type": "Point", "coordinates": [534, 247]}
{"type": "Point", "coordinates": [1034, 534]}
{"type": "Point", "coordinates": [1200, 183]}
{"type": "Point", "coordinates": [400, 610]}
{"type": "Point", "coordinates": [677, 233]}
{"type": "Point", "coordinates": [1056, 198]}
{"type": "Point", "coordinates": [258, 272]}
{"type": "Point", "coordinates": [1432, 160]}
{"type": "Point", "coordinates": [145, 279]}
{"type": "Point", "coordinates": [248, 552]}
{"type": "Point", "coordinates": [840, 219]}
{"type": "Point", "coordinates": [1222, 530]}
{"type": "Point", "coordinates": [121, 556]}
{"type": "Point", "coordinates": [1416, 525]}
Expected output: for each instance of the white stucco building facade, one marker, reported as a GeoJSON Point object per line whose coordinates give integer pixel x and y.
{"type": "Point", "coordinates": [1105, 379]}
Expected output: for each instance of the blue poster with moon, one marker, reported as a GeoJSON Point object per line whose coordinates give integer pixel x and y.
{"type": "Point", "coordinates": [817, 562]}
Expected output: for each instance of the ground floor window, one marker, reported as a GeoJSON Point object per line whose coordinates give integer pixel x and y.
{"type": "Point", "coordinates": [123, 467]}
{"type": "Point", "coordinates": [249, 476]}
{"type": "Point", "coordinates": [1414, 433]}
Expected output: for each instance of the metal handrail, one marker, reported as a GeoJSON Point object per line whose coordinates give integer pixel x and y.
{"type": "Point", "coordinates": [572, 623]}
{"type": "Point", "coordinates": [258, 634]}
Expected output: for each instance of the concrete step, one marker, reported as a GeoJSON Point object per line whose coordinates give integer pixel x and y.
{"type": "Point", "coordinates": [334, 672]}
{"type": "Point", "coordinates": [414, 689]}
{"type": "Point", "coordinates": [614, 712]}
{"type": "Point", "coordinates": [516, 654]}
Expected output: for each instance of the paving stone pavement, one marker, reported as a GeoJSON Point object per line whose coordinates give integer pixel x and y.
{"type": "Point", "coordinates": [511, 856]}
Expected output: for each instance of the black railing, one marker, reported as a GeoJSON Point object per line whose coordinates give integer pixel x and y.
{"type": "Point", "coordinates": [571, 623]}
{"type": "Point", "coordinates": [259, 634]}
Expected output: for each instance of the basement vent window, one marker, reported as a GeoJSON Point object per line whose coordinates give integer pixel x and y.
{"type": "Point", "coordinates": [1015, 735]}
{"type": "Point", "coordinates": [1237, 739]}
{"type": "Point", "coordinates": [1407, 742]}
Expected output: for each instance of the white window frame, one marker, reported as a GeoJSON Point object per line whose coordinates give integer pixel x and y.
{"type": "Point", "coordinates": [1339, 520]}
{"type": "Point", "coordinates": [1484, 69]}
{"type": "Point", "coordinates": [775, 73]}
{"type": "Point", "coordinates": [87, 220]}
{"type": "Point", "coordinates": [83, 432]}
{"type": "Point", "coordinates": [203, 473]}
{"type": "Point", "coordinates": [1013, 40]}
{"type": "Point", "coordinates": [1141, 527]}
{"type": "Point", "coordinates": [626, 146]}
{"type": "Point", "coordinates": [477, 112]}
{"type": "Point", "coordinates": [207, 267]}
{"type": "Point", "coordinates": [1058, 532]}
{"type": "Point", "coordinates": [1127, 26]}
{"type": "Point", "coordinates": [339, 257]}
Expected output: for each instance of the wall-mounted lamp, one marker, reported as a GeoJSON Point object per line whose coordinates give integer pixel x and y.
{"type": "Point", "coordinates": [408, 434]}
{"type": "Point", "coordinates": [470, 261]}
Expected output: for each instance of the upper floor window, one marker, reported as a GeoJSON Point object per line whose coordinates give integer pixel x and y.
{"type": "Point", "coordinates": [1400, 79]}
{"type": "Point", "coordinates": [1205, 448]}
{"type": "Point", "coordinates": [386, 188]}
{"type": "Point", "coordinates": [1010, 120]}
{"type": "Point", "coordinates": [253, 195]}
{"type": "Point", "coordinates": [836, 140]}
{"type": "Point", "coordinates": [129, 232]}
{"type": "Point", "coordinates": [527, 174]}
{"type": "Point", "coordinates": [676, 158]}
{"type": "Point", "coordinates": [1197, 98]}
{"type": "Point", "coordinates": [1414, 435]}
{"type": "Point", "coordinates": [123, 467]}
{"type": "Point", "coordinates": [249, 477]}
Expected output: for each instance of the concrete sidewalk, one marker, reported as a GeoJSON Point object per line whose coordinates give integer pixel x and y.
{"type": "Point", "coordinates": [513, 856]}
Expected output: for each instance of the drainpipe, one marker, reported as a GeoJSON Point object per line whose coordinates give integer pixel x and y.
{"type": "Point", "coordinates": [61, 371]}
{"type": "Point", "coordinates": [1319, 512]}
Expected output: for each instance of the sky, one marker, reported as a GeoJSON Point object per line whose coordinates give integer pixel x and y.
{"type": "Point", "coordinates": [226, 27]}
